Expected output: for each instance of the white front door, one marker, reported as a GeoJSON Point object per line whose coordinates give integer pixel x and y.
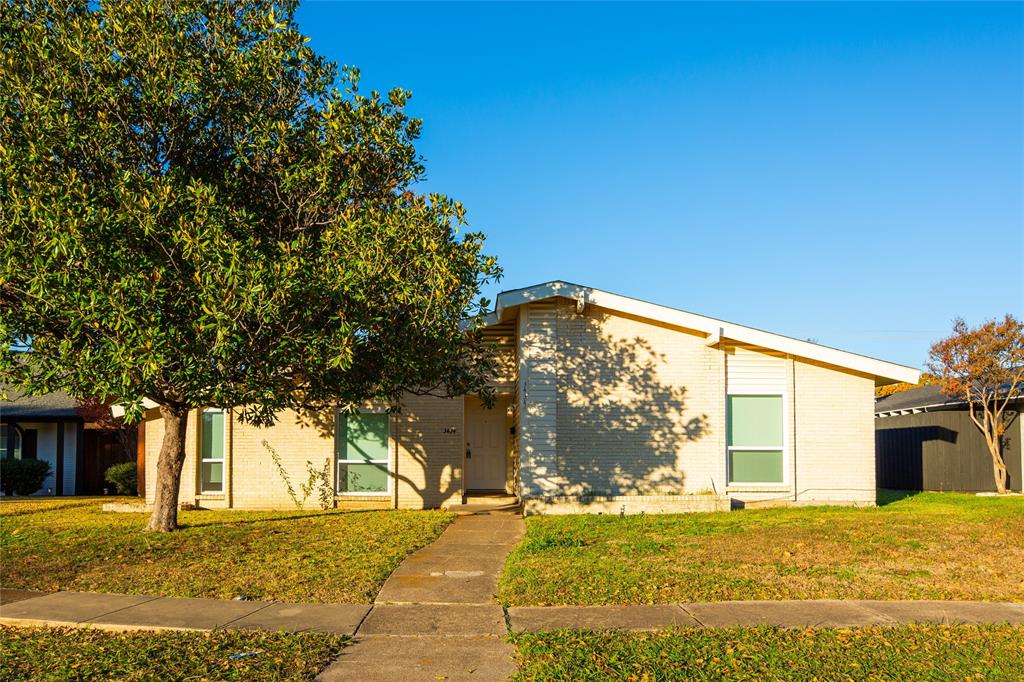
{"type": "Point", "coordinates": [486, 445]}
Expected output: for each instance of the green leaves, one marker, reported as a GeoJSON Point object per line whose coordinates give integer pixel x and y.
{"type": "Point", "coordinates": [198, 209]}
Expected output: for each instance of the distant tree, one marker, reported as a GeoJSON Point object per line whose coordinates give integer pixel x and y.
{"type": "Point", "coordinates": [985, 367]}
{"type": "Point", "coordinates": [892, 389]}
{"type": "Point", "coordinates": [97, 411]}
{"type": "Point", "coordinates": [197, 209]}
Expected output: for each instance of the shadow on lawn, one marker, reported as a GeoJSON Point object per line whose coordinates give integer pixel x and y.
{"type": "Point", "coordinates": [269, 519]}
{"type": "Point", "coordinates": [886, 497]}
{"type": "Point", "coordinates": [40, 509]}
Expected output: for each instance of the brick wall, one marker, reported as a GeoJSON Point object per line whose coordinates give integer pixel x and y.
{"type": "Point", "coordinates": [640, 409]}
{"type": "Point", "coordinates": [835, 437]}
{"type": "Point", "coordinates": [603, 404]}
{"type": "Point", "coordinates": [255, 482]}
{"type": "Point", "coordinates": [252, 481]}
{"type": "Point", "coordinates": [640, 406]}
{"type": "Point", "coordinates": [431, 449]}
{"type": "Point", "coordinates": [537, 354]}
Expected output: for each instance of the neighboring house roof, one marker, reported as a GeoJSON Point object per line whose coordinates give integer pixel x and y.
{"type": "Point", "coordinates": [56, 405]}
{"type": "Point", "coordinates": [914, 400]}
{"type": "Point", "coordinates": [716, 330]}
{"type": "Point", "coordinates": [920, 399]}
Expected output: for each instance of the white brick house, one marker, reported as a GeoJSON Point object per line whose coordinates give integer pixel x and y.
{"type": "Point", "coordinates": [605, 403]}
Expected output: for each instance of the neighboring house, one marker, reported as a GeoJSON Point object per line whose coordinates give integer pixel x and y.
{"type": "Point", "coordinates": [47, 428]}
{"type": "Point", "coordinates": [50, 428]}
{"type": "Point", "coordinates": [925, 440]}
{"type": "Point", "coordinates": [604, 403]}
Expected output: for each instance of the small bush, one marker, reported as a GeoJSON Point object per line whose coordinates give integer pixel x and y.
{"type": "Point", "coordinates": [124, 477]}
{"type": "Point", "coordinates": [23, 476]}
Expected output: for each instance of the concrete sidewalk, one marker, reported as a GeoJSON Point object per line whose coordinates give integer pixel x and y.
{"type": "Point", "coordinates": [784, 614]}
{"type": "Point", "coordinates": [437, 616]}
{"type": "Point", "coordinates": [140, 612]}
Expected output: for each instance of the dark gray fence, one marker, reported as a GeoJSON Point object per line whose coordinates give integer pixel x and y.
{"type": "Point", "coordinates": [940, 450]}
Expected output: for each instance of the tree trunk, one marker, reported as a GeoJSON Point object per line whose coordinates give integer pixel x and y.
{"type": "Point", "coordinates": [168, 470]}
{"type": "Point", "coordinates": [999, 468]}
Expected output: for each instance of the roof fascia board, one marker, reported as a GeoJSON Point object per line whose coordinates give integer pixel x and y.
{"type": "Point", "coordinates": [29, 418]}
{"type": "Point", "coordinates": [896, 411]}
{"type": "Point", "coordinates": [709, 326]}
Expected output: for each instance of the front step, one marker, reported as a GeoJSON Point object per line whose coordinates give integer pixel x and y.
{"type": "Point", "coordinates": [489, 502]}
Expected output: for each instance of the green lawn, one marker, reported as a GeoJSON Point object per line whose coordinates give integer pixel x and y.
{"type": "Point", "coordinates": [83, 654]}
{"type": "Point", "coordinates": [926, 546]}
{"type": "Point", "coordinates": [915, 652]}
{"type": "Point", "coordinates": [309, 556]}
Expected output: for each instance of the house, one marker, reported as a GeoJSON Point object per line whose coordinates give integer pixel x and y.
{"type": "Point", "coordinates": [604, 403]}
{"type": "Point", "coordinates": [925, 440]}
{"type": "Point", "coordinates": [51, 428]}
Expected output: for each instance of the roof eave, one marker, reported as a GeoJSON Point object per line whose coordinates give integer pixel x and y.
{"type": "Point", "coordinates": [882, 371]}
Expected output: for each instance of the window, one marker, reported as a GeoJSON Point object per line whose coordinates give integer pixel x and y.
{"type": "Point", "coordinates": [211, 433]}
{"type": "Point", "coordinates": [755, 439]}
{"type": "Point", "coordinates": [14, 431]}
{"type": "Point", "coordinates": [362, 446]}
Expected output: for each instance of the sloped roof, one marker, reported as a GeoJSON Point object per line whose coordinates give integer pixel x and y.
{"type": "Point", "coordinates": [716, 330]}
{"type": "Point", "coordinates": [914, 398]}
{"type": "Point", "coordinates": [49, 406]}
{"type": "Point", "coordinates": [924, 398]}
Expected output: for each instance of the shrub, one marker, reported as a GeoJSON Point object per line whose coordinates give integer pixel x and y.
{"type": "Point", "coordinates": [124, 477]}
{"type": "Point", "coordinates": [22, 476]}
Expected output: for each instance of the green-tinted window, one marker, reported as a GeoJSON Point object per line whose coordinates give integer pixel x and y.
{"type": "Point", "coordinates": [755, 439]}
{"type": "Point", "coordinates": [362, 447]}
{"type": "Point", "coordinates": [755, 466]}
{"type": "Point", "coordinates": [363, 478]}
{"type": "Point", "coordinates": [755, 421]}
{"type": "Point", "coordinates": [211, 435]}
{"type": "Point", "coordinates": [362, 437]}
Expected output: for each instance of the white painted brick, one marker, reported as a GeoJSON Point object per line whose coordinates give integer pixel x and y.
{"type": "Point", "coordinates": [603, 404]}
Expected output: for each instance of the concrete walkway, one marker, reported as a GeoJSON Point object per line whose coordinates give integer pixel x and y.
{"type": "Point", "coordinates": [437, 616]}
{"type": "Point", "coordinates": [785, 614]}
{"type": "Point", "coordinates": [141, 612]}
{"type": "Point", "coordinates": [135, 612]}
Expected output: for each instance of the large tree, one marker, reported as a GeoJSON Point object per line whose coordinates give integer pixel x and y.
{"type": "Point", "coordinates": [197, 209]}
{"type": "Point", "coordinates": [984, 366]}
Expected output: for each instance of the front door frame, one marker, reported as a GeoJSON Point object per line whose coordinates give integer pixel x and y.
{"type": "Point", "coordinates": [502, 403]}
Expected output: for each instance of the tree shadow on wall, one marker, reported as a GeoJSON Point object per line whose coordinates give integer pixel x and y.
{"type": "Point", "coordinates": [622, 428]}
{"type": "Point", "coordinates": [432, 481]}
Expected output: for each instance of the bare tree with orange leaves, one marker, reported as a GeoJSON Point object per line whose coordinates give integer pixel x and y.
{"type": "Point", "coordinates": [984, 366]}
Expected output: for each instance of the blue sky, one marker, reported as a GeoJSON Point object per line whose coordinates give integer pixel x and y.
{"type": "Point", "coordinates": [850, 173]}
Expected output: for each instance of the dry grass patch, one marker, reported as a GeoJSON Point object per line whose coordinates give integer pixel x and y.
{"type": "Point", "coordinates": [927, 546]}
{"type": "Point", "coordinates": [303, 556]}
{"type": "Point", "coordinates": [61, 654]}
{"type": "Point", "coordinates": [909, 652]}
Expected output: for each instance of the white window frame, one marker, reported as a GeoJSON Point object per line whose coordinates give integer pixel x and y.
{"type": "Point", "coordinates": [18, 447]}
{"type": "Point", "coordinates": [338, 463]}
{"type": "Point", "coordinates": [223, 454]}
{"type": "Point", "coordinates": [785, 482]}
